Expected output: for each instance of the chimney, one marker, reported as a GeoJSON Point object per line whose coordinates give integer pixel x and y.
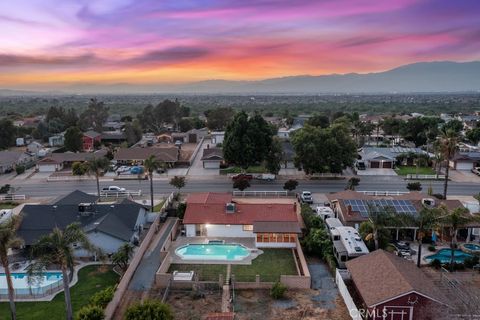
{"type": "Point", "coordinates": [349, 210]}
{"type": "Point", "coordinates": [230, 207]}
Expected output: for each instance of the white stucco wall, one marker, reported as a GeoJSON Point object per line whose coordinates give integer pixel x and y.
{"type": "Point", "coordinates": [190, 230]}
{"type": "Point", "coordinates": [220, 230]}
{"type": "Point", "coordinates": [106, 243]}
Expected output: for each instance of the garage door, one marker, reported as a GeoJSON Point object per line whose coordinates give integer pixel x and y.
{"type": "Point", "coordinates": [387, 165]}
{"type": "Point", "coordinates": [462, 165]}
{"type": "Point", "coordinates": [211, 164]}
{"type": "Point", "coordinates": [374, 164]}
{"type": "Point", "coordinates": [46, 168]}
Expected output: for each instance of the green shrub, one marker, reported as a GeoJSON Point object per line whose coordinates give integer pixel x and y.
{"type": "Point", "coordinates": [471, 262]}
{"type": "Point", "coordinates": [19, 169]}
{"type": "Point", "coordinates": [435, 263]}
{"type": "Point", "coordinates": [181, 210]}
{"type": "Point", "coordinates": [278, 290]}
{"type": "Point", "coordinates": [90, 313]}
{"type": "Point", "coordinates": [5, 188]}
{"type": "Point", "coordinates": [432, 248]}
{"type": "Point", "coordinates": [103, 297]}
{"type": "Point", "coordinates": [149, 309]}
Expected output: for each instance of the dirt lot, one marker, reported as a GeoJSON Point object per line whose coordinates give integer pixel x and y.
{"type": "Point", "coordinates": [257, 304]}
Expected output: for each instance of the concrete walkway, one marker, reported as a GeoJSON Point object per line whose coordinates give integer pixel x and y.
{"type": "Point", "coordinates": [144, 276]}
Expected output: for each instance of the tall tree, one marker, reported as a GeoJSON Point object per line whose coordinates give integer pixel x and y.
{"type": "Point", "coordinates": [7, 134]}
{"type": "Point", "coordinates": [151, 164]}
{"type": "Point", "coordinates": [178, 182]}
{"type": "Point", "coordinates": [274, 156]}
{"type": "Point", "coordinates": [219, 118]}
{"type": "Point", "coordinates": [237, 146]}
{"type": "Point", "coordinates": [94, 116]}
{"type": "Point", "coordinates": [165, 113]}
{"type": "Point", "coordinates": [456, 219]}
{"type": "Point", "coordinates": [448, 146]}
{"type": "Point", "coordinates": [323, 150]}
{"type": "Point", "coordinates": [473, 135]}
{"type": "Point", "coordinates": [9, 240]}
{"type": "Point", "coordinates": [133, 132]}
{"type": "Point", "coordinates": [379, 218]}
{"type": "Point", "coordinates": [122, 256]}
{"type": "Point", "coordinates": [97, 166]}
{"type": "Point", "coordinates": [57, 248]}
{"type": "Point", "coordinates": [73, 139]}
{"type": "Point", "coordinates": [319, 120]}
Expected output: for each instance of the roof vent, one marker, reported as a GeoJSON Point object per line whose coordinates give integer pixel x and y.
{"type": "Point", "coordinates": [85, 209]}
{"type": "Point", "coordinates": [230, 207]}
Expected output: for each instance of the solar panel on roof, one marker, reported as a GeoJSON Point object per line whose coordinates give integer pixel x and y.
{"type": "Point", "coordinates": [363, 206]}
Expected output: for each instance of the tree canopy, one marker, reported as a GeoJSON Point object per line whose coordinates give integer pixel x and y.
{"type": "Point", "coordinates": [320, 150]}
{"type": "Point", "coordinates": [167, 112]}
{"type": "Point", "coordinates": [218, 118]}
{"type": "Point", "coordinates": [73, 139]}
{"type": "Point", "coordinates": [94, 116]}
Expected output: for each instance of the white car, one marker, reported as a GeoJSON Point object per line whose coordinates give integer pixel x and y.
{"type": "Point", "coordinates": [123, 169]}
{"type": "Point", "coordinates": [306, 197]}
{"type": "Point", "coordinates": [114, 189]}
{"type": "Point", "coordinates": [476, 170]}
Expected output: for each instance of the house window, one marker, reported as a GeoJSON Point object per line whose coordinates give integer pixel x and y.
{"type": "Point", "coordinates": [276, 237]}
{"type": "Point", "coordinates": [248, 227]}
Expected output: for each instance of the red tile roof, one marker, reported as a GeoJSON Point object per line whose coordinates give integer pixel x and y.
{"type": "Point", "coordinates": [210, 208]}
{"type": "Point", "coordinates": [220, 316]}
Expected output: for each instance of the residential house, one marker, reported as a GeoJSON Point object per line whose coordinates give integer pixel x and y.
{"type": "Point", "coordinates": [381, 158]}
{"type": "Point", "coordinates": [10, 159]}
{"type": "Point", "coordinates": [90, 139]}
{"type": "Point", "coordinates": [352, 208]}
{"type": "Point", "coordinates": [285, 133]}
{"type": "Point", "coordinates": [58, 161]}
{"type": "Point", "coordinates": [107, 225]}
{"type": "Point", "coordinates": [270, 222]}
{"type": "Point", "coordinates": [465, 160]}
{"type": "Point", "coordinates": [56, 140]}
{"type": "Point", "coordinates": [136, 155]}
{"type": "Point", "coordinates": [212, 158]}
{"type": "Point", "coordinates": [191, 136]}
{"type": "Point", "coordinates": [113, 137]}
{"type": "Point", "coordinates": [34, 148]}
{"type": "Point", "coordinates": [390, 287]}
{"type": "Point", "coordinates": [217, 137]}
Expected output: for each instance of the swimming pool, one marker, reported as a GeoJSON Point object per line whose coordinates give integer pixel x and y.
{"type": "Point", "coordinates": [49, 280]}
{"type": "Point", "coordinates": [444, 255]}
{"type": "Point", "coordinates": [230, 252]}
{"type": "Point", "coordinates": [470, 248]}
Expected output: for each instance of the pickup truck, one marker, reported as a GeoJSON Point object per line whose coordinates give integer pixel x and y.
{"type": "Point", "coordinates": [113, 189]}
{"type": "Point", "coordinates": [265, 176]}
{"type": "Point", "coordinates": [306, 197]}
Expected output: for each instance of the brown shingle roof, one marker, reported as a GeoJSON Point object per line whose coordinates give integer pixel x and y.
{"type": "Point", "coordinates": [381, 276]}
{"type": "Point", "coordinates": [77, 156]}
{"type": "Point", "coordinates": [140, 154]}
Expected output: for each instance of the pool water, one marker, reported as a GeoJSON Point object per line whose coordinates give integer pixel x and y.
{"type": "Point", "coordinates": [40, 285]}
{"type": "Point", "coordinates": [472, 246]}
{"type": "Point", "coordinates": [230, 252]}
{"type": "Point", "coordinates": [444, 256]}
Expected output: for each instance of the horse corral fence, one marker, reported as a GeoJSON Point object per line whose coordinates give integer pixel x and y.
{"type": "Point", "coordinates": [264, 194]}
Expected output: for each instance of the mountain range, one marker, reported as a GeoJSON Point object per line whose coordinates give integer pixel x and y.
{"type": "Point", "coordinates": [421, 77]}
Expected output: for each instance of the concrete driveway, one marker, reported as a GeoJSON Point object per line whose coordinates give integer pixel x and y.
{"type": "Point", "coordinates": [197, 169]}
{"type": "Point", "coordinates": [463, 176]}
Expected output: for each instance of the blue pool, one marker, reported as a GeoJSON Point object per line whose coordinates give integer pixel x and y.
{"type": "Point", "coordinates": [472, 246]}
{"type": "Point", "coordinates": [230, 252]}
{"type": "Point", "coordinates": [41, 285]}
{"type": "Point", "coordinates": [444, 255]}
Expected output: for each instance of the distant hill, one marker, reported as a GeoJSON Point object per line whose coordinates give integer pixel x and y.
{"type": "Point", "coordinates": [434, 77]}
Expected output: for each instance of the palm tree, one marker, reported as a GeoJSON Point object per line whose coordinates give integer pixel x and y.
{"type": "Point", "coordinates": [151, 164]}
{"type": "Point", "coordinates": [425, 220]}
{"type": "Point", "coordinates": [448, 146]}
{"type": "Point", "coordinates": [379, 218]}
{"type": "Point", "coordinates": [97, 166]}
{"type": "Point", "coordinates": [9, 240]}
{"type": "Point", "coordinates": [56, 248]}
{"type": "Point", "coordinates": [456, 219]}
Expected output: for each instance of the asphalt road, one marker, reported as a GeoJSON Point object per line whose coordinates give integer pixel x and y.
{"type": "Point", "coordinates": [222, 184]}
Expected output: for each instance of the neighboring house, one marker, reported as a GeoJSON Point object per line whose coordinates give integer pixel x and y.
{"type": "Point", "coordinates": [10, 159]}
{"type": "Point", "coordinates": [113, 137]}
{"type": "Point", "coordinates": [137, 155]}
{"type": "Point", "coordinates": [352, 208]}
{"type": "Point", "coordinates": [58, 161]}
{"type": "Point", "coordinates": [385, 158]}
{"type": "Point", "coordinates": [391, 287]}
{"type": "Point", "coordinates": [34, 147]}
{"type": "Point", "coordinates": [113, 126]}
{"type": "Point", "coordinates": [212, 158]}
{"type": "Point", "coordinates": [56, 141]}
{"type": "Point", "coordinates": [465, 161]}
{"type": "Point", "coordinates": [20, 142]}
{"type": "Point", "coordinates": [108, 226]}
{"type": "Point", "coordinates": [191, 136]}
{"type": "Point", "coordinates": [269, 223]}
{"type": "Point", "coordinates": [90, 138]}
{"type": "Point", "coordinates": [217, 137]}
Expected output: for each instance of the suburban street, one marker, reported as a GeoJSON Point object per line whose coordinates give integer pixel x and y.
{"type": "Point", "coordinates": [221, 184]}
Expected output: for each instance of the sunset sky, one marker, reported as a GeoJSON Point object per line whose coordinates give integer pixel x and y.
{"type": "Point", "coordinates": [58, 42]}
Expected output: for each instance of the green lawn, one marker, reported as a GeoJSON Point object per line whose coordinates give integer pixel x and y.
{"type": "Point", "coordinates": [404, 170]}
{"type": "Point", "coordinates": [91, 280]}
{"type": "Point", "coordinates": [159, 206]}
{"type": "Point", "coordinates": [205, 272]}
{"type": "Point", "coordinates": [253, 169]}
{"type": "Point", "coordinates": [8, 205]}
{"type": "Point", "coordinates": [269, 265]}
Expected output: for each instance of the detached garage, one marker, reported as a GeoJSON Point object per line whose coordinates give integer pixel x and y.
{"type": "Point", "coordinates": [465, 161]}
{"type": "Point", "coordinates": [212, 158]}
{"type": "Point", "coordinates": [380, 162]}
{"type": "Point", "coordinates": [49, 165]}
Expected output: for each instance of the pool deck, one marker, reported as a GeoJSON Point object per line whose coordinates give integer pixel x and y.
{"type": "Point", "coordinates": [181, 241]}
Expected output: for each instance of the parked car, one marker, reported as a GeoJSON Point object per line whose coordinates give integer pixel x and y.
{"type": "Point", "coordinates": [242, 176]}
{"type": "Point", "coordinates": [136, 170]}
{"type": "Point", "coordinates": [476, 170]}
{"type": "Point", "coordinates": [113, 189]}
{"type": "Point", "coordinates": [360, 165]}
{"type": "Point", "coordinates": [161, 170]}
{"type": "Point", "coordinates": [178, 143]}
{"type": "Point", "coordinates": [306, 197]}
{"type": "Point", "coordinates": [123, 169]}
{"type": "Point", "coordinates": [265, 176]}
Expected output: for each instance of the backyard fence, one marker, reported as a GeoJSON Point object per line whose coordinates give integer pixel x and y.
{"type": "Point", "coordinates": [340, 275]}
